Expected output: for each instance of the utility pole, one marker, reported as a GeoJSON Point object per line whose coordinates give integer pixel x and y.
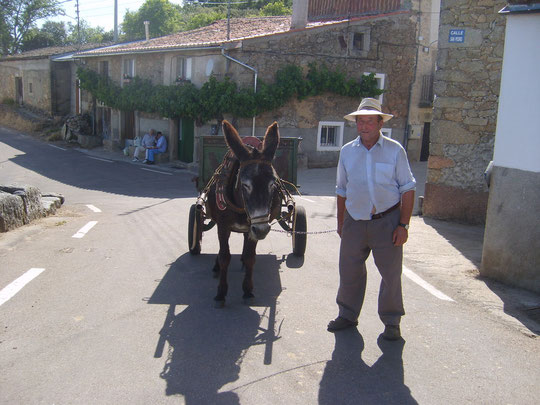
{"type": "Point", "coordinates": [228, 20]}
{"type": "Point", "coordinates": [78, 26]}
{"type": "Point", "coordinates": [115, 21]}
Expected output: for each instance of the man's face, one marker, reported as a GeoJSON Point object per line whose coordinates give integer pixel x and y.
{"type": "Point", "coordinates": [368, 126]}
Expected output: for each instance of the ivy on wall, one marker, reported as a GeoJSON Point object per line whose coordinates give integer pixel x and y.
{"type": "Point", "coordinates": [218, 97]}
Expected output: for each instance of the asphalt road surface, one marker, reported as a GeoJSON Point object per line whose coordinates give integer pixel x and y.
{"type": "Point", "coordinates": [112, 309]}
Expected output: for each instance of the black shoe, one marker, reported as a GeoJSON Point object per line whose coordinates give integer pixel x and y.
{"type": "Point", "coordinates": [149, 162]}
{"type": "Point", "coordinates": [340, 323]}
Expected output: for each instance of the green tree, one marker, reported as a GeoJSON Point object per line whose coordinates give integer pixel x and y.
{"type": "Point", "coordinates": [86, 34]}
{"type": "Point", "coordinates": [276, 8]}
{"type": "Point", "coordinates": [52, 33]}
{"type": "Point", "coordinates": [164, 19]}
{"type": "Point", "coordinates": [18, 17]}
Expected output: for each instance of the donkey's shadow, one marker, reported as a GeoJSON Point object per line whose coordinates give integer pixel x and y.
{"type": "Point", "coordinates": [205, 346]}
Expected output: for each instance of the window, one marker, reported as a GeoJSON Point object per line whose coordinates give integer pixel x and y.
{"type": "Point", "coordinates": [104, 68]}
{"type": "Point", "coordinates": [330, 136]}
{"type": "Point", "coordinates": [358, 41]}
{"type": "Point", "coordinates": [128, 71]}
{"type": "Point", "coordinates": [30, 88]}
{"type": "Point", "coordinates": [380, 77]}
{"type": "Point", "coordinates": [183, 69]}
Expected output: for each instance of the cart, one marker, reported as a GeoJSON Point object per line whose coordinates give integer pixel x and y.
{"type": "Point", "coordinates": [293, 220]}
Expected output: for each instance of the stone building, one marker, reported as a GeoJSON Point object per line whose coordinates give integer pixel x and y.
{"type": "Point", "coordinates": [388, 40]}
{"type": "Point", "coordinates": [511, 251]}
{"type": "Point", "coordinates": [43, 79]}
{"type": "Point", "coordinates": [466, 87]}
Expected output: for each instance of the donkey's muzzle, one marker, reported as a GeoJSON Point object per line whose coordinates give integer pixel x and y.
{"type": "Point", "coordinates": [259, 227]}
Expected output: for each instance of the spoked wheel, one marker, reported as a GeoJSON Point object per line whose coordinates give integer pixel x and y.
{"type": "Point", "coordinates": [299, 236]}
{"type": "Point", "coordinates": [195, 225]}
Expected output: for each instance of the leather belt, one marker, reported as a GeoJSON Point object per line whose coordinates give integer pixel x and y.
{"type": "Point", "coordinates": [389, 210]}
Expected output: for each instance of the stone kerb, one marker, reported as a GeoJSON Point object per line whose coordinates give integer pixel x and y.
{"type": "Point", "coordinates": [20, 205]}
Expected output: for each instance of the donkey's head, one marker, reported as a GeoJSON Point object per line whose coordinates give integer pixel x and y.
{"type": "Point", "coordinates": [256, 177]}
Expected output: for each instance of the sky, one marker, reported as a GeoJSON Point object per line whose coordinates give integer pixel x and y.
{"type": "Point", "coordinates": [98, 12]}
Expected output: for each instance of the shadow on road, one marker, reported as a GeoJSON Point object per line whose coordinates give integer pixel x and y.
{"type": "Point", "coordinates": [206, 346]}
{"type": "Point", "coordinates": [468, 239]}
{"type": "Point", "coordinates": [85, 171]}
{"type": "Point", "coordinates": [347, 379]}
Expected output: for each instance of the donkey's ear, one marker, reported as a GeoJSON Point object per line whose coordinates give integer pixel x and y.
{"type": "Point", "coordinates": [235, 142]}
{"type": "Point", "coordinates": [271, 141]}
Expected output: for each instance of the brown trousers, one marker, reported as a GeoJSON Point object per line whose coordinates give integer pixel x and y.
{"type": "Point", "coordinates": [358, 240]}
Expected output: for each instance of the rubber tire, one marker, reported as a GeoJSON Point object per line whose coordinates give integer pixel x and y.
{"type": "Point", "coordinates": [299, 225]}
{"type": "Point", "coordinates": [194, 231]}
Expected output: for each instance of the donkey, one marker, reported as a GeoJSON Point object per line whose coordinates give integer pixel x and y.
{"type": "Point", "coordinates": [245, 200]}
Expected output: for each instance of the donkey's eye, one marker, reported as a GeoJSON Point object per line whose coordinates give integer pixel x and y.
{"type": "Point", "coordinates": [246, 187]}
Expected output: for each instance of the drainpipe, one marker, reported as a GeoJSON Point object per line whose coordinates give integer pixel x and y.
{"type": "Point", "coordinates": [255, 79]}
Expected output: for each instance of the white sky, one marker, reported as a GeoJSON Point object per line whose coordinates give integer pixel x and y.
{"type": "Point", "coordinates": [98, 12]}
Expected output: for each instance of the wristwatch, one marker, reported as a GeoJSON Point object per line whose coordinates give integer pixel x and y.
{"type": "Point", "coordinates": [406, 226]}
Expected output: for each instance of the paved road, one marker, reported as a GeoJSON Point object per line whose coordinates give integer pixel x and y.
{"type": "Point", "coordinates": [123, 313]}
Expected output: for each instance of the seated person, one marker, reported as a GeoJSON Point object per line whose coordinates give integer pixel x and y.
{"type": "Point", "coordinates": [161, 147]}
{"type": "Point", "coordinates": [149, 140]}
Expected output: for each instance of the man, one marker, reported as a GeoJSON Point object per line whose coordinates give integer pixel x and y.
{"type": "Point", "coordinates": [149, 140]}
{"type": "Point", "coordinates": [160, 147]}
{"type": "Point", "coordinates": [375, 198]}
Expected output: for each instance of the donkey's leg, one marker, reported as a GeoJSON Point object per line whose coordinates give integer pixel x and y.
{"type": "Point", "coordinates": [223, 260]}
{"type": "Point", "coordinates": [248, 260]}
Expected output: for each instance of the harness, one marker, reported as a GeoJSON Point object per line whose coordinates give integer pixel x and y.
{"type": "Point", "coordinates": [222, 177]}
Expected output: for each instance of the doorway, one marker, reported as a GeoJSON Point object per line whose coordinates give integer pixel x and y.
{"type": "Point", "coordinates": [424, 152]}
{"type": "Point", "coordinates": [186, 140]}
{"type": "Point", "coordinates": [19, 91]}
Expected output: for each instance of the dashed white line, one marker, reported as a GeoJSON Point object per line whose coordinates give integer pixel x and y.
{"type": "Point", "coordinates": [156, 171]}
{"type": "Point", "coordinates": [57, 147]}
{"type": "Point", "coordinates": [425, 285]}
{"type": "Point", "coordinates": [93, 208]}
{"type": "Point", "coordinates": [84, 230]}
{"type": "Point", "coordinates": [10, 290]}
{"type": "Point", "coordinates": [103, 160]}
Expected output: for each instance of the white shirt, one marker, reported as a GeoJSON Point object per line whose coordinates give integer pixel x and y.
{"type": "Point", "coordinates": [373, 180]}
{"type": "Point", "coordinates": [148, 140]}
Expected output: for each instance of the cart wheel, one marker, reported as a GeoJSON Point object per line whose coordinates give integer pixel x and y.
{"type": "Point", "coordinates": [299, 237]}
{"type": "Point", "coordinates": [194, 230]}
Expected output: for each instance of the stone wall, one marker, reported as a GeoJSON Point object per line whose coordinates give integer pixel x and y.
{"type": "Point", "coordinates": [391, 50]}
{"type": "Point", "coordinates": [466, 88]}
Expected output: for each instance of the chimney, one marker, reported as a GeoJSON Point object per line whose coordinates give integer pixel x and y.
{"type": "Point", "coordinates": [299, 14]}
{"type": "Point", "coordinates": [147, 30]}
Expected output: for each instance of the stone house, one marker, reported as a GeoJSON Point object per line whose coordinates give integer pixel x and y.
{"type": "Point", "coordinates": [466, 87]}
{"type": "Point", "coordinates": [43, 79]}
{"type": "Point", "coordinates": [393, 40]}
{"type": "Point", "coordinates": [511, 251]}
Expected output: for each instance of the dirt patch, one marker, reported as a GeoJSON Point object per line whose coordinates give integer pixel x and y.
{"type": "Point", "coordinates": [30, 121]}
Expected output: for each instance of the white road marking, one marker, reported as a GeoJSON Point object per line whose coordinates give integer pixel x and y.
{"type": "Point", "coordinates": [156, 171]}
{"type": "Point", "coordinates": [84, 230]}
{"type": "Point", "coordinates": [103, 160]}
{"type": "Point", "coordinates": [425, 285]}
{"type": "Point", "coordinates": [9, 291]}
{"type": "Point", "coordinates": [57, 147]}
{"type": "Point", "coordinates": [93, 208]}
{"type": "Point", "coordinates": [304, 198]}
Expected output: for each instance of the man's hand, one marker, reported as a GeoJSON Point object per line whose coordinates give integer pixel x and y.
{"type": "Point", "coordinates": [400, 236]}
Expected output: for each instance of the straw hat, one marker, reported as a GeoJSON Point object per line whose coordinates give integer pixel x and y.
{"type": "Point", "coordinates": [368, 106]}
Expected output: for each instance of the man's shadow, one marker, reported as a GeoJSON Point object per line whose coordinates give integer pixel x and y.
{"type": "Point", "coordinates": [204, 346]}
{"type": "Point", "coordinates": [347, 379]}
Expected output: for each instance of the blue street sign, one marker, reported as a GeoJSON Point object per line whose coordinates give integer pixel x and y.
{"type": "Point", "coordinates": [456, 36]}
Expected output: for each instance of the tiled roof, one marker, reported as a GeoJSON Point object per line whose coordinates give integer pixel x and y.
{"type": "Point", "coordinates": [213, 34]}
{"type": "Point", "coordinates": [43, 53]}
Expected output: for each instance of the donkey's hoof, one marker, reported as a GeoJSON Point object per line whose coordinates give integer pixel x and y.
{"type": "Point", "coordinates": [248, 299]}
{"type": "Point", "coordinates": [219, 303]}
